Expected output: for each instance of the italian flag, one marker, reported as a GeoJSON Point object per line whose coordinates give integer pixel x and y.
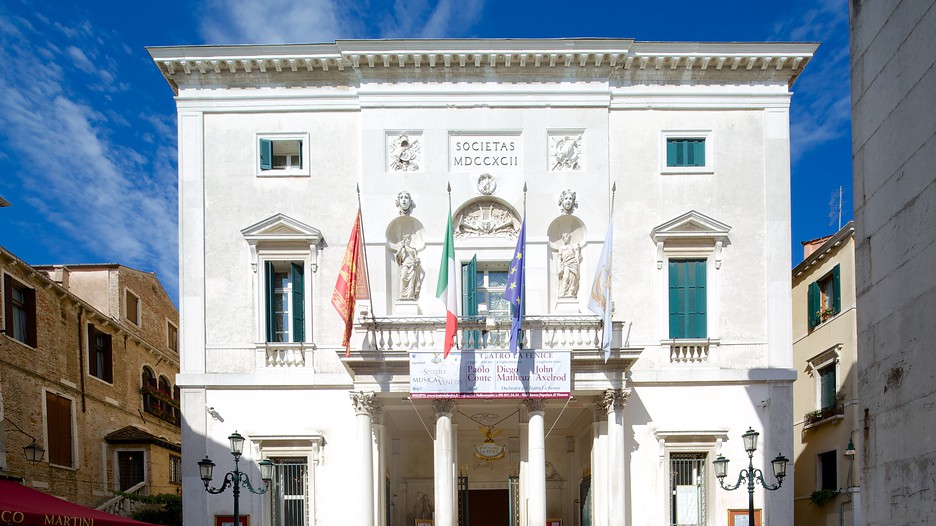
{"type": "Point", "coordinates": [446, 287]}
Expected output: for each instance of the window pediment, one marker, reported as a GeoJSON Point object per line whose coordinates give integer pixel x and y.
{"type": "Point", "coordinates": [691, 228]}
{"type": "Point", "coordinates": [280, 230]}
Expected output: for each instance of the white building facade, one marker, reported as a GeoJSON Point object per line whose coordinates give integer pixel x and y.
{"type": "Point", "coordinates": [683, 147]}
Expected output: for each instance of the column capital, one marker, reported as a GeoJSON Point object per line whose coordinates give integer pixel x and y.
{"type": "Point", "coordinates": [443, 405]}
{"type": "Point", "coordinates": [365, 403]}
{"type": "Point", "coordinates": [601, 409]}
{"type": "Point", "coordinates": [616, 399]}
{"type": "Point", "coordinates": [535, 404]}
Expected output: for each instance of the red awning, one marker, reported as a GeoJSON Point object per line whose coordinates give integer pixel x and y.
{"type": "Point", "coordinates": [23, 506]}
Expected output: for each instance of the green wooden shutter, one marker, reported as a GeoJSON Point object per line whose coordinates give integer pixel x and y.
{"type": "Point", "coordinates": [470, 287]}
{"type": "Point", "coordinates": [671, 146]}
{"type": "Point", "coordinates": [270, 321]}
{"type": "Point", "coordinates": [698, 147]}
{"type": "Point", "coordinates": [298, 305]}
{"type": "Point", "coordinates": [266, 154]}
{"type": "Point", "coordinates": [676, 307]}
{"type": "Point", "coordinates": [700, 327]}
{"type": "Point", "coordinates": [92, 352]}
{"type": "Point", "coordinates": [687, 299]}
{"type": "Point", "coordinates": [837, 289]}
{"type": "Point", "coordinates": [812, 308]}
{"type": "Point", "coordinates": [470, 300]}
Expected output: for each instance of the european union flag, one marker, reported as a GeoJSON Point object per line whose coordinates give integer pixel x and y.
{"type": "Point", "coordinates": [514, 293]}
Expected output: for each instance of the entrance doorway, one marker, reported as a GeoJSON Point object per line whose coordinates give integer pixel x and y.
{"type": "Point", "coordinates": [488, 507]}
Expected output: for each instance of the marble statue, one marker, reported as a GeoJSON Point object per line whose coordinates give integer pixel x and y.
{"type": "Point", "coordinates": [570, 255]}
{"type": "Point", "coordinates": [410, 269]}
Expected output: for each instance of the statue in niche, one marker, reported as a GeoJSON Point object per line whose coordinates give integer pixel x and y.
{"type": "Point", "coordinates": [570, 255]}
{"type": "Point", "coordinates": [405, 204]}
{"type": "Point", "coordinates": [410, 269]}
{"type": "Point", "coordinates": [567, 201]}
{"type": "Point", "coordinates": [567, 150]}
{"type": "Point", "coordinates": [405, 154]}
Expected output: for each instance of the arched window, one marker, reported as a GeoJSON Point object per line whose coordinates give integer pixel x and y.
{"type": "Point", "coordinates": [148, 380]}
{"type": "Point", "coordinates": [165, 392]}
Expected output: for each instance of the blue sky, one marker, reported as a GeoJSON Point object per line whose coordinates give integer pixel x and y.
{"type": "Point", "coordinates": [87, 123]}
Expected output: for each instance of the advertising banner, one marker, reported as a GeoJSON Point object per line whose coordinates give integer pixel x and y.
{"type": "Point", "coordinates": [484, 374]}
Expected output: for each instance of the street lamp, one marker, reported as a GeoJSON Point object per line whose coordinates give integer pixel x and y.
{"type": "Point", "coordinates": [33, 452]}
{"type": "Point", "coordinates": [779, 465]}
{"type": "Point", "coordinates": [236, 478]}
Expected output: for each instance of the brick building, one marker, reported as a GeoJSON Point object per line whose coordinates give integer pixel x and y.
{"type": "Point", "coordinates": [88, 358]}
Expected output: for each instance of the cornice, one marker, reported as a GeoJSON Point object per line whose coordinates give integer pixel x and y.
{"type": "Point", "coordinates": [180, 64]}
{"type": "Point", "coordinates": [825, 249]}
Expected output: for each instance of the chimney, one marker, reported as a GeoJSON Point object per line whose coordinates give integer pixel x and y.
{"type": "Point", "coordinates": [60, 275]}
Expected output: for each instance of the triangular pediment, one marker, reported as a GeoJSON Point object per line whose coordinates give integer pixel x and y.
{"type": "Point", "coordinates": [691, 225]}
{"type": "Point", "coordinates": [281, 227]}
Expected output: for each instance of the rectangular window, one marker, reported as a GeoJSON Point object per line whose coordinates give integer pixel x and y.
{"type": "Point", "coordinates": [283, 154]}
{"type": "Point", "coordinates": [828, 470]}
{"type": "Point", "coordinates": [824, 297]}
{"type": "Point", "coordinates": [59, 429]}
{"type": "Point", "coordinates": [19, 311]}
{"type": "Point", "coordinates": [827, 386]}
{"type": "Point", "coordinates": [483, 287]}
{"type": "Point", "coordinates": [175, 469]}
{"type": "Point", "coordinates": [681, 152]}
{"type": "Point", "coordinates": [687, 489]}
{"type": "Point", "coordinates": [132, 306]}
{"type": "Point", "coordinates": [285, 305]}
{"type": "Point", "coordinates": [100, 355]}
{"type": "Point", "coordinates": [687, 299]}
{"type": "Point", "coordinates": [172, 336]}
{"type": "Point", "coordinates": [290, 492]}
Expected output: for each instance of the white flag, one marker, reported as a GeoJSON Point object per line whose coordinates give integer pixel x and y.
{"type": "Point", "coordinates": [599, 301]}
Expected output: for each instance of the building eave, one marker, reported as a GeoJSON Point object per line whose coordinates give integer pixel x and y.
{"type": "Point", "coordinates": [182, 64]}
{"type": "Point", "coordinates": [823, 251]}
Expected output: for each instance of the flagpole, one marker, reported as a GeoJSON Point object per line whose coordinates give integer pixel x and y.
{"type": "Point", "coordinates": [370, 297]}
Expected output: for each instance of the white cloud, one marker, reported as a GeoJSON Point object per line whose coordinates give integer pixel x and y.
{"type": "Point", "coordinates": [821, 110]}
{"type": "Point", "coordinates": [76, 164]}
{"type": "Point", "coordinates": [287, 21]}
{"type": "Point", "coordinates": [80, 59]}
{"type": "Point", "coordinates": [272, 22]}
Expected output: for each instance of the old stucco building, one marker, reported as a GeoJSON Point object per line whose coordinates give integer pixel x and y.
{"type": "Point", "coordinates": [826, 412]}
{"type": "Point", "coordinates": [894, 150]}
{"type": "Point", "coordinates": [682, 147]}
{"type": "Point", "coordinates": [88, 358]}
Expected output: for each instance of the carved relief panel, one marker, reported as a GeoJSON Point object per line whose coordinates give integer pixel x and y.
{"type": "Point", "coordinates": [565, 151]}
{"type": "Point", "coordinates": [404, 152]}
{"type": "Point", "coordinates": [486, 218]}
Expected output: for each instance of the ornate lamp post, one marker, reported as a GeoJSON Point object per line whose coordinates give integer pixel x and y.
{"type": "Point", "coordinates": [236, 478]}
{"type": "Point", "coordinates": [750, 474]}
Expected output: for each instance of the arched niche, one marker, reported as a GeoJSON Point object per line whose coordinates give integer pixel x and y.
{"type": "Point", "coordinates": [405, 273]}
{"type": "Point", "coordinates": [486, 216]}
{"type": "Point", "coordinates": [567, 263]}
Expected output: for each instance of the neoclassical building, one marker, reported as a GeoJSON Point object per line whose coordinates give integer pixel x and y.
{"type": "Point", "coordinates": [683, 148]}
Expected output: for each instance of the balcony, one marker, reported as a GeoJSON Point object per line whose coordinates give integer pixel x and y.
{"type": "Point", "coordinates": [389, 340]}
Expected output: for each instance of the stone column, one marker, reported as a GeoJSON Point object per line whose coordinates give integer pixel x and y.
{"type": "Point", "coordinates": [615, 399]}
{"type": "Point", "coordinates": [365, 405]}
{"type": "Point", "coordinates": [601, 467]}
{"type": "Point", "coordinates": [536, 467]}
{"type": "Point", "coordinates": [524, 472]}
{"type": "Point", "coordinates": [380, 470]}
{"type": "Point", "coordinates": [444, 463]}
